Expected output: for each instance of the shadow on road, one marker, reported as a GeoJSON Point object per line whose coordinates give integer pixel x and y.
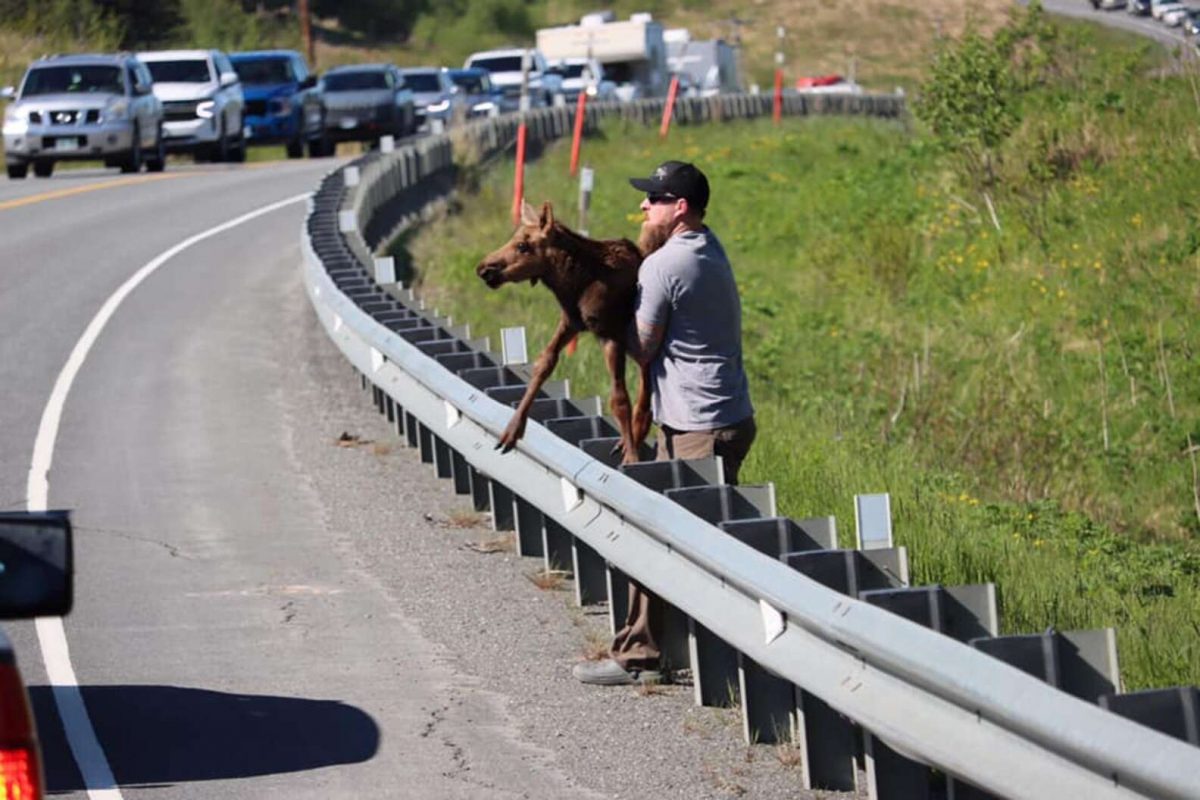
{"type": "Point", "coordinates": [155, 735]}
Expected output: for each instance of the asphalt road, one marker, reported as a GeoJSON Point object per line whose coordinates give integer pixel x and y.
{"type": "Point", "coordinates": [259, 612]}
{"type": "Point", "coordinates": [1118, 18]}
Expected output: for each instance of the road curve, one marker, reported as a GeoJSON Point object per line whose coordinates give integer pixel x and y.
{"type": "Point", "coordinates": [260, 613]}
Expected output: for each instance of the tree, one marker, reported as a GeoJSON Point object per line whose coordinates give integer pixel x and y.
{"type": "Point", "coordinates": [971, 100]}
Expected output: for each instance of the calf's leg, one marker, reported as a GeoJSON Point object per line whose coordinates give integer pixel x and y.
{"type": "Point", "coordinates": [542, 367]}
{"type": "Point", "coordinates": [614, 358]}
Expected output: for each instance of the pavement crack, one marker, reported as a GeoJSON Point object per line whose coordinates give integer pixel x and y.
{"type": "Point", "coordinates": [171, 549]}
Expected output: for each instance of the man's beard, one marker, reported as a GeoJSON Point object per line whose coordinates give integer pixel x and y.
{"type": "Point", "coordinates": [652, 237]}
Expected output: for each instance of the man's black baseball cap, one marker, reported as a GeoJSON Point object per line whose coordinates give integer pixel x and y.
{"type": "Point", "coordinates": [678, 179]}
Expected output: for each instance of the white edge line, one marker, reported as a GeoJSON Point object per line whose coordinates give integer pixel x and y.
{"type": "Point", "coordinates": [52, 637]}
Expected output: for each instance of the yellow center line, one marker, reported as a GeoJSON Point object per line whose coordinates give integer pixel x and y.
{"type": "Point", "coordinates": [91, 187]}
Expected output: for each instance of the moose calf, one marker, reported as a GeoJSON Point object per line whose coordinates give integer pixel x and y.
{"type": "Point", "coordinates": [595, 282]}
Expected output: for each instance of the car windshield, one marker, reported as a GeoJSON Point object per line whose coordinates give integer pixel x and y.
{"type": "Point", "coordinates": [73, 80]}
{"type": "Point", "coordinates": [570, 70]}
{"type": "Point", "coordinates": [500, 64]}
{"type": "Point", "coordinates": [192, 70]}
{"type": "Point", "coordinates": [423, 81]}
{"type": "Point", "coordinates": [355, 81]}
{"type": "Point", "coordinates": [264, 71]}
{"type": "Point", "coordinates": [473, 84]}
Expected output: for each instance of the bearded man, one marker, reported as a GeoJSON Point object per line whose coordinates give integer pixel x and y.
{"type": "Point", "coordinates": [689, 329]}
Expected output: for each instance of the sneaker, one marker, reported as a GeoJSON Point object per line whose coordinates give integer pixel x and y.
{"type": "Point", "coordinates": [609, 673]}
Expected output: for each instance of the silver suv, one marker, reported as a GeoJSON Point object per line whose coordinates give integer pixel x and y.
{"type": "Point", "coordinates": [203, 106]}
{"type": "Point", "coordinates": [83, 107]}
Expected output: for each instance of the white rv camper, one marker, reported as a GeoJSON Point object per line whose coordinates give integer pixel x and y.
{"type": "Point", "coordinates": [710, 66]}
{"type": "Point", "coordinates": [632, 51]}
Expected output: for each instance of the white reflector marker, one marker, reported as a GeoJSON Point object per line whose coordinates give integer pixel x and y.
{"type": "Point", "coordinates": [347, 221]}
{"type": "Point", "coordinates": [453, 415]}
{"type": "Point", "coordinates": [774, 623]}
{"type": "Point", "coordinates": [337, 322]}
{"type": "Point", "coordinates": [377, 360]}
{"type": "Point", "coordinates": [385, 270]}
{"type": "Point", "coordinates": [351, 176]}
{"type": "Point", "coordinates": [571, 495]}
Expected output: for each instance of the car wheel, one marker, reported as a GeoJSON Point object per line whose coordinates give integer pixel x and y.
{"type": "Point", "coordinates": [320, 147]}
{"type": "Point", "coordinates": [295, 149]}
{"type": "Point", "coordinates": [17, 170]}
{"type": "Point", "coordinates": [43, 169]}
{"type": "Point", "coordinates": [220, 151]}
{"type": "Point", "coordinates": [158, 162]}
{"type": "Point", "coordinates": [237, 152]}
{"type": "Point", "coordinates": [133, 161]}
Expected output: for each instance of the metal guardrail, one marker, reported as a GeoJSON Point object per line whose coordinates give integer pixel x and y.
{"type": "Point", "coordinates": [926, 695]}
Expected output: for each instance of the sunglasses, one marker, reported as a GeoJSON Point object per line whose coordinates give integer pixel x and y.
{"type": "Point", "coordinates": [654, 199]}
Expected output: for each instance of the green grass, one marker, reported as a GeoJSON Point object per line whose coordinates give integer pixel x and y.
{"type": "Point", "coordinates": [896, 341]}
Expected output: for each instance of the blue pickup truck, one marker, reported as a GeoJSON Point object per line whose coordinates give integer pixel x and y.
{"type": "Point", "coordinates": [283, 101]}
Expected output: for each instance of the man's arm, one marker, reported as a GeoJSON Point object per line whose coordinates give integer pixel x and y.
{"type": "Point", "coordinates": [645, 341]}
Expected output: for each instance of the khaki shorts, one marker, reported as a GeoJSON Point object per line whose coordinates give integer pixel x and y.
{"type": "Point", "coordinates": [731, 444]}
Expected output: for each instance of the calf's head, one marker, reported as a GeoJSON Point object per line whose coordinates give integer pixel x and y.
{"type": "Point", "coordinates": [525, 256]}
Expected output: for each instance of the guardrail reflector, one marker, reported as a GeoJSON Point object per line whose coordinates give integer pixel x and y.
{"type": "Point", "coordinates": [337, 322]}
{"type": "Point", "coordinates": [347, 221]}
{"type": "Point", "coordinates": [453, 415]}
{"type": "Point", "coordinates": [774, 623]}
{"type": "Point", "coordinates": [385, 270]}
{"type": "Point", "coordinates": [571, 495]}
{"type": "Point", "coordinates": [376, 360]}
{"type": "Point", "coordinates": [351, 176]}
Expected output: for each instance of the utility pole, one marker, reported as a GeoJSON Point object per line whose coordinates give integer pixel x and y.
{"type": "Point", "coordinates": [306, 33]}
{"type": "Point", "coordinates": [777, 109]}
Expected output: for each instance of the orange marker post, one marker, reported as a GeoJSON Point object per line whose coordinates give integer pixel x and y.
{"type": "Point", "coordinates": [519, 177]}
{"type": "Point", "coordinates": [672, 90]}
{"type": "Point", "coordinates": [777, 110]}
{"type": "Point", "coordinates": [577, 138]}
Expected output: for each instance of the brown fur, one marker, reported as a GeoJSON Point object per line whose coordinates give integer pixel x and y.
{"type": "Point", "coordinates": [595, 283]}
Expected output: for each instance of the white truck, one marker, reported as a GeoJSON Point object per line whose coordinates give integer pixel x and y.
{"type": "Point", "coordinates": [508, 72]}
{"type": "Point", "coordinates": [632, 51]}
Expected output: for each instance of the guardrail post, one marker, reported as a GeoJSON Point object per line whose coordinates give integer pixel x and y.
{"type": "Point", "coordinates": [559, 545]}
{"type": "Point", "coordinates": [1174, 711]}
{"type": "Point", "coordinates": [961, 612]}
{"type": "Point", "coordinates": [442, 462]}
{"type": "Point", "coordinates": [714, 663]}
{"type": "Point", "coordinates": [1081, 663]}
{"type": "Point", "coordinates": [830, 742]}
{"type": "Point", "coordinates": [425, 443]}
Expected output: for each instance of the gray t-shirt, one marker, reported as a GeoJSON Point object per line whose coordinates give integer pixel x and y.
{"type": "Point", "coordinates": [687, 288]}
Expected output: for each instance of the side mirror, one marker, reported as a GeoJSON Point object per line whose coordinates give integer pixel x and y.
{"type": "Point", "coordinates": [309, 82]}
{"type": "Point", "coordinates": [8, 93]}
{"type": "Point", "coordinates": [142, 88]}
{"type": "Point", "coordinates": [229, 78]}
{"type": "Point", "coordinates": [36, 565]}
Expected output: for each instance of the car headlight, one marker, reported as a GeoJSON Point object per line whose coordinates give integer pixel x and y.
{"type": "Point", "coordinates": [592, 91]}
{"type": "Point", "coordinates": [486, 105]}
{"type": "Point", "coordinates": [437, 108]}
{"type": "Point", "coordinates": [11, 114]}
{"type": "Point", "coordinates": [280, 106]}
{"type": "Point", "coordinates": [117, 110]}
{"type": "Point", "coordinates": [205, 109]}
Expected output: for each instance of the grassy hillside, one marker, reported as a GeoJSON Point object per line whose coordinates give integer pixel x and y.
{"type": "Point", "coordinates": [1025, 394]}
{"type": "Point", "coordinates": [884, 39]}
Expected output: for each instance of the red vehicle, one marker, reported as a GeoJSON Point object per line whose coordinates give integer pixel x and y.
{"type": "Point", "coordinates": [35, 580]}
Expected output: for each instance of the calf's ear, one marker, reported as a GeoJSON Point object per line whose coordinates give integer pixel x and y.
{"type": "Point", "coordinates": [529, 215]}
{"type": "Point", "coordinates": [547, 221]}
